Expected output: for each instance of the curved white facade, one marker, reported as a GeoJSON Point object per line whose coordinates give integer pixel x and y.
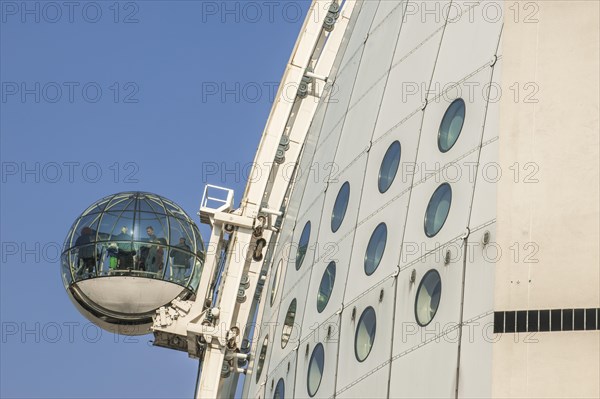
{"type": "Point", "coordinates": [400, 67]}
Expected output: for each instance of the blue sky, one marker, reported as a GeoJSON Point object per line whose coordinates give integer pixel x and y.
{"type": "Point", "coordinates": [102, 97]}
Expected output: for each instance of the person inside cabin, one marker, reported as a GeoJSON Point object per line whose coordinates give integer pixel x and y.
{"type": "Point", "coordinates": [125, 250]}
{"type": "Point", "coordinates": [160, 255]}
{"type": "Point", "coordinates": [86, 252]}
{"type": "Point", "coordinates": [144, 249]}
{"type": "Point", "coordinates": [148, 253]}
{"type": "Point", "coordinates": [181, 256]}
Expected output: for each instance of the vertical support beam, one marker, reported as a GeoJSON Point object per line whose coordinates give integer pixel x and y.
{"type": "Point", "coordinates": [307, 52]}
{"type": "Point", "coordinates": [213, 251]}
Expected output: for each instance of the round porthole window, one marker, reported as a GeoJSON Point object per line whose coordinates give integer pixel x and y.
{"type": "Point", "coordinates": [340, 206]}
{"type": "Point", "coordinates": [288, 324]}
{"type": "Point", "coordinates": [315, 370]}
{"type": "Point", "coordinates": [261, 357]}
{"type": "Point", "coordinates": [275, 283]}
{"type": "Point", "coordinates": [428, 297]}
{"type": "Point", "coordinates": [438, 209]}
{"type": "Point", "coordinates": [451, 126]}
{"type": "Point", "coordinates": [375, 249]}
{"type": "Point", "coordinates": [303, 245]}
{"type": "Point", "coordinates": [389, 167]}
{"type": "Point", "coordinates": [279, 390]}
{"type": "Point", "coordinates": [365, 334]}
{"type": "Point", "coordinates": [326, 287]}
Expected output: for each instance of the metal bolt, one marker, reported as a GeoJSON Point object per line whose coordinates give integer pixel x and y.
{"type": "Point", "coordinates": [486, 238]}
{"type": "Point", "coordinates": [241, 296]}
{"type": "Point", "coordinates": [245, 282]}
{"type": "Point", "coordinates": [447, 258]}
{"type": "Point", "coordinates": [225, 370]}
{"type": "Point", "coordinates": [245, 346]}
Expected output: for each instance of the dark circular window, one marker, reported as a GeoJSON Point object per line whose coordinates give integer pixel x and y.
{"type": "Point", "coordinates": [261, 357]}
{"type": "Point", "coordinates": [288, 324]}
{"type": "Point", "coordinates": [428, 297]}
{"type": "Point", "coordinates": [315, 370]}
{"type": "Point", "coordinates": [375, 248]}
{"type": "Point", "coordinates": [389, 167]}
{"type": "Point", "coordinates": [279, 390]}
{"type": "Point", "coordinates": [451, 126]}
{"type": "Point", "coordinates": [275, 283]}
{"type": "Point", "coordinates": [365, 334]}
{"type": "Point", "coordinates": [326, 287]}
{"type": "Point", "coordinates": [340, 207]}
{"type": "Point", "coordinates": [303, 245]}
{"type": "Point", "coordinates": [438, 209]}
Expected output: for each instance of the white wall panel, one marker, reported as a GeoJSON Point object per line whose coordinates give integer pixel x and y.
{"type": "Point", "coordinates": [265, 329]}
{"type": "Point", "coordinates": [393, 217]}
{"type": "Point", "coordinates": [420, 25]}
{"type": "Point", "coordinates": [294, 285]}
{"type": "Point", "coordinates": [412, 65]}
{"type": "Point", "coordinates": [286, 370]}
{"type": "Point", "coordinates": [359, 375]}
{"type": "Point", "coordinates": [278, 352]}
{"type": "Point", "coordinates": [305, 169]}
{"type": "Point", "coordinates": [416, 243]}
{"type": "Point", "coordinates": [276, 278]}
{"type": "Point", "coordinates": [358, 128]}
{"type": "Point", "coordinates": [475, 374]}
{"type": "Point", "coordinates": [479, 277]}
{"type": "Point", "coordinates": [368, 9]}
{"type": "Point", "coordinates": [328, 335]}
{"type": "Point", "coordinates": [407, 135]}
{"type": "Point", "coordinates": [323, 162]}
{"type": "Point", "coordinates": [469, 139]}
{"type": "Point", "coordinates": [485, 196]}
{"type": "Point", "coordinates": [425, 358]}
{"type": "Point", "coordinates": [379, 47]}
{"type": "Point", "coordinates": [426, 372]}
{"type": "Point", "coordinates": [339, 99]}
{"type": "Point", "coordinates": [470, 40]}
{"type": "Point", "coordinates": [336, 246]}
{"type": "Point", "coordinates": [333, 251]}
{"type": "Point", "coordinates": [313, 196]}
{"type": "Point", "coordinates": [385, 9]}
{"type": "Point", "coordinates": [475, 379]}
{"type": "Point", "coordinates": [492, 117]}
{"type": "Point", "coordinates": [369, 87]}
{"type": "Point", "coordinates": [368, 386]}
{"type": "Point", "coordinates": [407, 83]}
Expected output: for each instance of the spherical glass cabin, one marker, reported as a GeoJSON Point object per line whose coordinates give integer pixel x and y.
{"type": "Point", "coordinates": [127, 255]}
